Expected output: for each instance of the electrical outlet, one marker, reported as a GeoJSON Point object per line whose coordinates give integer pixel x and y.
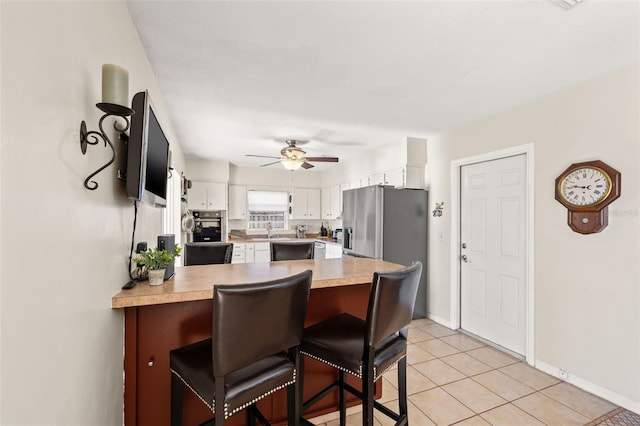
{"type": "Point", "coordinates": [141, 247]}
{"type": "Point", "coordinates": [563, 374]}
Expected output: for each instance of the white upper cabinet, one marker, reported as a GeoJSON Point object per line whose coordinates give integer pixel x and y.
{"type": "Point", "coordinates": [400, 165]}
{"type": "Point", "coordinates": [299, 203]}
{"type": "Point", "coordinates": [395, 177]}
{"type": "Point", "coordinates": [343, 187]}
{"type": "Point", "coordinates": [305, 203]}
{"type": "Point", "coordinates": [313, 204]}
{"type": "Point", "coordinates": [331, 198]}
{"type": "Point", "coordinates": [376, 179]}
{"type": "Point", "coordinates": [405, 177]}
{"type": "Point", "coordinates": [207, 196]}
{"type": "Point", "coordinates": [325, 203]}
{"type": "Point", "coordinates": [237, 202]}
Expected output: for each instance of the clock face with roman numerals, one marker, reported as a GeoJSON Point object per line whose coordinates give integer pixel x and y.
{"type": "Point", "coordinates": [584, 187]}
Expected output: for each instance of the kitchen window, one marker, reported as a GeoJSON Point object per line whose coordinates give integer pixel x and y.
{"type": "Point", "coordinates": [267, 207]}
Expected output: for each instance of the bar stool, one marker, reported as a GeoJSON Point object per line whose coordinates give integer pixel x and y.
{"type": "Point", "coordinates": [207, 253]}
{"type": "Point", "coordinates": [291, 250]}
{"type": "Point", "coordinates": [253, 352]}
{"type": "Point", "coordinates": [367, 349]}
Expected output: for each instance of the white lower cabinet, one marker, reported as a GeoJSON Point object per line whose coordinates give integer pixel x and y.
{"type": "Point", "coordinates": [251, 252]}
{"type": "Point", "coordinates": [239, 253]}
{"type": "Point", "coordinates": [242, 253]}
{"type": "Point", "coordinates": [333, 251]}
{"type": "Point", "coordinates": [262, 252]}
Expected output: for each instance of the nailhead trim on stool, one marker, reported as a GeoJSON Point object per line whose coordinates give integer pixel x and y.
{"type": "Point", "coordinates": [358, 373]}
{"type": "Point", "coordinates": [228, 414]}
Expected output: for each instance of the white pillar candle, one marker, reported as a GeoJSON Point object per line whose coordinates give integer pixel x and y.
{"type": "Point", "coordinates": [115, 85]}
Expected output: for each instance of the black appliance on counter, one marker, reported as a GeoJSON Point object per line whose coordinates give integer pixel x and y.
{"type": "Point", "coordinates": [167, 242]}
{"type": "Point", "coordinates": [209, 226]}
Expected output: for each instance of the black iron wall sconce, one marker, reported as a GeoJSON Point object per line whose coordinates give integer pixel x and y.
{"type": "Point", "coordinates": [115, 94]}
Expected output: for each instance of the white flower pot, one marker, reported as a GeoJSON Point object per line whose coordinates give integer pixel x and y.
{"type": "Point", "coordinates": [156, 276]}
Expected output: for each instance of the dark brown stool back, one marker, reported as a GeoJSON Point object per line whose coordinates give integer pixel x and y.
{"type": "Point", "coordinates": [253, 352]}
{"type": "Point", "coordinates": [366, 349]}
{"type": "Point", "coordinates": [207, 253]}
{"type": "Point", "coordinates": [291, 250]}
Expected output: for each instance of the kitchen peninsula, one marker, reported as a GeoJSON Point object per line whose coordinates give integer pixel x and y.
{"type": "Point", "coordinates": [179, 312]}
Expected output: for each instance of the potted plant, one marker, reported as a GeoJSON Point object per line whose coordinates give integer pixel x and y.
{"type": "Point", "coordinates": [156, 261]}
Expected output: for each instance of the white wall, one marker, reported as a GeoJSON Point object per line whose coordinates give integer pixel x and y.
{"type": "Point", "coordinates": [207, 170]}
{"type": "Point", "coordinates": [256, 177]}
{"type": "Point", "coordinates": [587, 287]}
{"type": "Point", "coordinates": [64, 248]}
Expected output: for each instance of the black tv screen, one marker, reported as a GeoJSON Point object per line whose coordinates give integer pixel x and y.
{"type": "Point", "coordinates": [157, 151]}
{"type": "Point", "coordinates": [147, 155]}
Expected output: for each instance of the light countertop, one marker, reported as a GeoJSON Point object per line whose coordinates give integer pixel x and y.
{"type": "Point", "coordinates": [264, 239]}
{"type": "Point", "coordinates": [196, 282]}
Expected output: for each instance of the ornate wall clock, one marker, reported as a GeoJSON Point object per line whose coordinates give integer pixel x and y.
{"type": "Point", "coordinates": [586, 190]}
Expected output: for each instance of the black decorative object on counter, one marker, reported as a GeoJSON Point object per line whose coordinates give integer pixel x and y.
{"type": "Point", "coordinates": [93, 137]}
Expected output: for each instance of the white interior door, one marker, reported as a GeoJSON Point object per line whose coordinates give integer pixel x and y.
{"type": "Point", "coordinates": [493, 279]}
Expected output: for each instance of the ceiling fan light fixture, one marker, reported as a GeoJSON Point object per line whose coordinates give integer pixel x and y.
{"type": "Point", "coordinates": [293, 153]}
{"type": "Point", "coordinates": [292, 163]}
{"type": "Point", "coordinates": [566, 4]}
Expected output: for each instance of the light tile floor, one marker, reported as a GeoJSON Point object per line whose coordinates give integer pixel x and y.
{"type": "Point", "coordinates": [454, 379]}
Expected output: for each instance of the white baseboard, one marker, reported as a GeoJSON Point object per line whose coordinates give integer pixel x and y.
{"type": "Point", "coordinates": [440, 321]}
{"type": "Point", "coordinates": [581, 383]}
{"type": "Point", "coordinates": [586, 385]}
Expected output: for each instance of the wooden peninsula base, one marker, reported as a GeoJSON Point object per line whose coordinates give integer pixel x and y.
{"type": "Point", "coordinates": [179, 312]}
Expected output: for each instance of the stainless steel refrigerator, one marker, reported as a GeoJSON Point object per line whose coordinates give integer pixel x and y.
{"type": "Point", "coordinates": [386, 223]}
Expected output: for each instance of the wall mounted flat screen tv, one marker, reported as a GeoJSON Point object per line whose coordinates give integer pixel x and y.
{"type": "Point", "coordinates": [147, 155]}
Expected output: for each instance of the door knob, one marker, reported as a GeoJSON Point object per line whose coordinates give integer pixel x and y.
{"type": "Point", "coordinates": [464, 258]}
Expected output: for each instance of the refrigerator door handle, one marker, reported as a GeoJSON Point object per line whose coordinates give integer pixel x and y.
{"type": "Point", "coordinates": [348, 238]}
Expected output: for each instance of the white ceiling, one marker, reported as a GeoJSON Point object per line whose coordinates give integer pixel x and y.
{"type": "Point", "coordinates": [238, 76]}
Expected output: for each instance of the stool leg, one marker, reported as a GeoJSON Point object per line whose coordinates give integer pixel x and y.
{"type": "Point", "coordinates": [367, 393]}
{"type": "Point", "coordinates": [294, 390]}
{"type": "Point", "coordinates": [251, 416]}
{"type": "Point", "coordinates": [402, 387]}
{"type": "Point", "coordinates": [219, 401]}
{"type": "Point", "coordinates": [342, 399]}
{"type": "Point", "coordinates": [300, 380]}
{"type": "Point", "coordinates": [293, 405]}
{"type": "Point", "coordinates": [177, 392]}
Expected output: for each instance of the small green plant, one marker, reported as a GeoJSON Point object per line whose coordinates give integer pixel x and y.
{"type": "Point", "coordinates": [155, 259]}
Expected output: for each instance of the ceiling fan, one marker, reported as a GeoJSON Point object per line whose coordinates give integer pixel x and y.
{"type": "Point", "coordinates": [293, 157]}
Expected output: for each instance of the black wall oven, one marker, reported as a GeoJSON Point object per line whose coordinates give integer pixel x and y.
{"type": "Point", "coordinates": [209, 226]}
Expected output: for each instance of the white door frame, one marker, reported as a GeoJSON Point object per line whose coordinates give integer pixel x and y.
{"type": "Point", "coordinates": [456, 165]}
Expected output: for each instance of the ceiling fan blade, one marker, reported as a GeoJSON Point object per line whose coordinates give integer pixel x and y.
{"type": "Point", "coordinates": [271, 164]}
{"type": "Point", "coordinates": [323, 159]}
{"type": "Point", "coordinates": [306, 165]}
{"type": "Point", "coordinates": [261, 156]}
